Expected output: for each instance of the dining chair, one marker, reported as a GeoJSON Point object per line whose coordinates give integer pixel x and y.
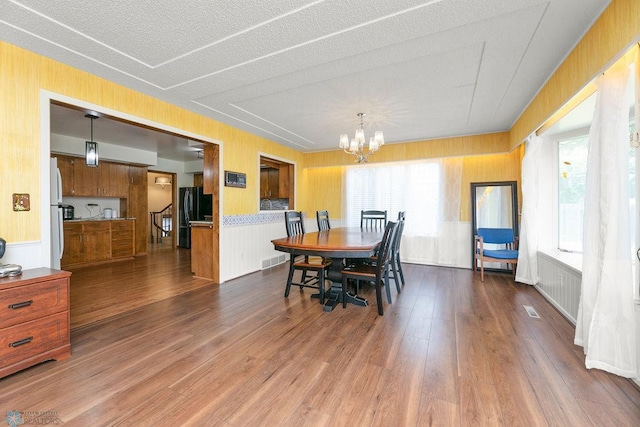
{"type": "Point", "coordinates": [294, 222]}
{"type": "Point", "coordinates": [323, 220]}
{"type": "Point", "coordinates": [377, 273]}
{"type": "Point", "coordinates": [373, 219]}
{"type": "Point", "coordinates": [507, 251]}
{"type": "Point", "coordinates": [396, 265]}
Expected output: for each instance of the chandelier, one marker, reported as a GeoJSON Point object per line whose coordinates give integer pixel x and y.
{"type": "Point", "coordinates": [356, 145]}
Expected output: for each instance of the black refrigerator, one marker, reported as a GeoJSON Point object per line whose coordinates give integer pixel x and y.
{"type": "Point", "coordinates": [193, 205]}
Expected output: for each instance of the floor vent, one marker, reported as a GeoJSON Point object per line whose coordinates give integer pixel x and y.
{"type": "Point", "coordinates": [531, 311]}
{"type": "Point", "coordinates": [276, 260]}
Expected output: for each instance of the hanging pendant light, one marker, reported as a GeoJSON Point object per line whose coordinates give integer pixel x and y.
{"type": "Point", "coordinates": [91, 147]}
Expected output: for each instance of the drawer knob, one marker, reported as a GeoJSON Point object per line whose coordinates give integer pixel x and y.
{"type": "Point", "coordinates": [20, 304]}
{"type": "Point", "coordinates": [21, 342]}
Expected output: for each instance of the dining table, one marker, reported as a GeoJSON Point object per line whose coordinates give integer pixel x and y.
{"type": "Point", "coordinates": [337, 244]}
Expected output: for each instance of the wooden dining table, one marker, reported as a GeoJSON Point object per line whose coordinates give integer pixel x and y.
{"type": "Point", "coordinates": [336, 244]}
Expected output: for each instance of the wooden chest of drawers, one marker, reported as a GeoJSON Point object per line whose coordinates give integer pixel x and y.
{"type": "Point", "coordinates": [34, 319]}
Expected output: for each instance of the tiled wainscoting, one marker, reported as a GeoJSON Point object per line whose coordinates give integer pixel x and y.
{"type": "Point", "coordinates": [560, 284]}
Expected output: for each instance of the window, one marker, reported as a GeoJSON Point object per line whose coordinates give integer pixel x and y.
{"type": "Point", "coordinates": [572, 179]}
{"type": "Point", "coordinates": [413, 187]}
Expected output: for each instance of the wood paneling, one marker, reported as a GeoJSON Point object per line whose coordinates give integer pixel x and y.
{"type": "Point", "coordinates": [138, 206]}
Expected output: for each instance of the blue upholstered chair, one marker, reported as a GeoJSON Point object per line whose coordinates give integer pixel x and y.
{"type": "Point", "coordinates": [506, 251]}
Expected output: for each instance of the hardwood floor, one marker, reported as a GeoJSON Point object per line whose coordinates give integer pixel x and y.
{"type": "Point", "coordinates": [449, 351]}
{"type": "Point", "coordinates": [103, 291]}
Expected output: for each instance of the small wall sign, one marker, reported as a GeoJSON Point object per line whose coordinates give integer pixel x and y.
{"type": "Point", "coordinates": [21, 202]}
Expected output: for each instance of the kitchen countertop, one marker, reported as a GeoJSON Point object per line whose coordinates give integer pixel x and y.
{"type": "Point", "coordinates": [201, 223]}
{"type": "Point", "coordinates": [95, 219]}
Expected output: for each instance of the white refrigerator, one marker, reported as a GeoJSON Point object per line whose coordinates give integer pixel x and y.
{"type": "Point", "coordinates": [57, 232]}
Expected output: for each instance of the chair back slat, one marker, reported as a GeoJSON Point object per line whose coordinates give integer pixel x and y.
{"type": "Point", "coordinates": [496, 235]}
{"type": "Point", "coordinates": [323, 220]}
{"type": "Point", "coordinates": [294, 222]}
{"type": "Point", "coordinates": [373, 219]}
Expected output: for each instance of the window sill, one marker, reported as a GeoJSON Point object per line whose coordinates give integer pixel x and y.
{"type": "Point", "coordinates": [571, 260]}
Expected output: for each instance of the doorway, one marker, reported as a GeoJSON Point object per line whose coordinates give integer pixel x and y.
{"type": "Point", "coordinates": [124, 271]}
{"type": "Point", "coordinates": [162, 210]}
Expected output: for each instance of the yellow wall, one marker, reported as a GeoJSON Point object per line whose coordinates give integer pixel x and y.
{"type": "Point", "coordinates": [324, 185]}
{"type": "Point", "coordinates": [610, 36]}
{"type": "Point", "coordinates": [430, 149]}
{"type": "Point", "coordinates": [23, 74]}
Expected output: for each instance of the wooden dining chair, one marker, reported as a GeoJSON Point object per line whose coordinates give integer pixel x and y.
{"type": "Point", "coordinates": [396, 265]}
{"type": "Point", "coordinates": [322, 217]}
{"type": "Point", "coordinates": [294, 222]}
{"type": "Point", "coordinates": [507, 251]}
{"type": "Point", "coordinates": [377, 273]}
{"type": "Point", "coordinates": [373, 219]}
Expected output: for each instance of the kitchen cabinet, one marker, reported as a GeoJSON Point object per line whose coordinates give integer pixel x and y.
{"type": "Point", "coordinates": [269, 183]}
{"type": "Point", "coordinates": [66, 166]}
{"type": "Point", "coordinates": [108, 179]}
{"type": "Point", "coordinates": [86, 179]}
{"type": "Point", "coordinates": [284, 181]}
{"type": "Point", "coordinates": [114, 180]}
{"type": "Point", "coordinates": [34, 319]}
{"type": "Point", "coordinates": [122, 238]}
{"type": "Point", "coordinates": [97, 241]}
{"type": "Point", "coordinates": [138, 205]}
{"type": "Point", "coordinates": [202, 237]}
{"type": "Point", "coordinates": [86, 242]}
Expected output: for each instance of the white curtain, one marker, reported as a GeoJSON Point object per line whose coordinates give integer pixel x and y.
{"type": "Point", "coordinates": [606, 325]}
{"type": "Point", "coordinates": [527, 268]}
{"type": "Point", "coordinates": [429, 192]}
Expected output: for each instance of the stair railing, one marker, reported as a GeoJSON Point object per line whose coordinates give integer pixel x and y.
{"type": "Point", "coordinates": [161, 224]}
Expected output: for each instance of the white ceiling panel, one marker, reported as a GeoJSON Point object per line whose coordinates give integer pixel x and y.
{"type": "Point", "coordinates": [298, 72]}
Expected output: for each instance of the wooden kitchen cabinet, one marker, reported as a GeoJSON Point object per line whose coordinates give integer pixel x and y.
{"type": "Point", "coordinates": [284, 181]}
{"type": "Point", "coordinates": [122, 238]}
{"type": "Point", "coordinates": [86, 242]}
{"type": "Point", "coordinates": [72, 254]}
{"type": "Point", "coordinates": [108, 179]}
{"type": "Point", "coordinates": [202, 249]}
{"type": "Point", "coordinates": [96, 236]}
{"type": "Point", "coordinates": [66, 166]}
{"type": "Point", "coordinates": [269, 183]}
{"type": "Point", "coordinates": [86, 179]}
{"type": "Point", "coordinates": [97, 241]}
{"type": "Point", "coordinates": [34, 319]}
{"type": "Point", "coordinates": [114, 180]}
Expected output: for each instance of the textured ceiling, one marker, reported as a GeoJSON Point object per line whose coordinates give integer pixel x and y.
{"type": "Point", "coordinates": [298, 72]}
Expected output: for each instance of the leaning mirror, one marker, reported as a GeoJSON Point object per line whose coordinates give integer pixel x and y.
{"type": "Point", "coordinates": [493, 205]}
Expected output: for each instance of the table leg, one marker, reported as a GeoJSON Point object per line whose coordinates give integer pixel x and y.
{"type": "Point", "coordinates": [333, 296]}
